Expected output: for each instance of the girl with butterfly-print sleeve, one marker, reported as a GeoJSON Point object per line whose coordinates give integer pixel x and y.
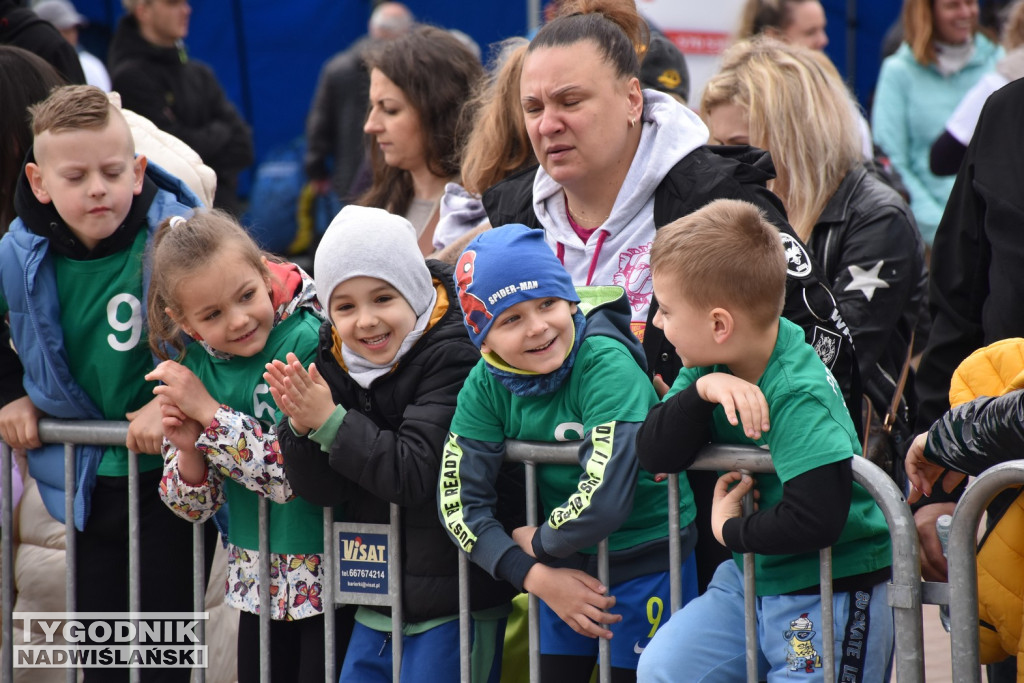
{"type": "Point", "coordinates": [211, 282]}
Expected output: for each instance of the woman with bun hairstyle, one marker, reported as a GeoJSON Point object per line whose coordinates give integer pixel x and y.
{"type": "Point", "coordinates": [616, 163]}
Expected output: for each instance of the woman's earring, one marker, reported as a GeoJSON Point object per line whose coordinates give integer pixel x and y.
{"type": "Point", "coordinates": [632, 123]}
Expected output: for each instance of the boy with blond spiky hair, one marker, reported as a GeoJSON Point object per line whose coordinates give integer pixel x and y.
{"type": "Point", "coordinates": [750, 378]}
{"type": "Point", "coordinates": [71, 278]}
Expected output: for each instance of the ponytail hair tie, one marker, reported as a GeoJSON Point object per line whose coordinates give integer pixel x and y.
{"type": "Point", "coordinates": [175, 221]}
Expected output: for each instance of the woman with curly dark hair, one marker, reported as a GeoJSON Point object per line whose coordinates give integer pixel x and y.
{"type": "Point", "coordinates": [418, 84]}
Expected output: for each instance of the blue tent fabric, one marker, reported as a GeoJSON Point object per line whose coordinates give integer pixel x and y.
{"type": "Point", "coordinates": [268, 55]}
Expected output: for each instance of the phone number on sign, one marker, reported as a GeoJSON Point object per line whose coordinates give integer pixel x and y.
{"type": "Point", "coordinates": [363, 573]}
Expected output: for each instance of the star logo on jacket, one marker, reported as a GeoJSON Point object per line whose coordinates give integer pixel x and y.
{"type": "Point", "coordinates": [866, 280]}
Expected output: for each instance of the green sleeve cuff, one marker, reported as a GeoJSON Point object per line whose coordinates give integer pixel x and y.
{"type": "Point", "coordinates": [328, 430]}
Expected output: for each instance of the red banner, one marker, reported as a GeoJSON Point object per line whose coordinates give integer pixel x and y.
{"type": "Point", "coordinates": [700, 42]}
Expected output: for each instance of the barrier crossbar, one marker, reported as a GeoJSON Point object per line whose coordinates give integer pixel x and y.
{"type": "Point", "coordinates": [904, 590]}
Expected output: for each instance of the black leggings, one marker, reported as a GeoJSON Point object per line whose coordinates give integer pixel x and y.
{"type": "Point", "coordinates": [165, 545]}
{"type": "Point", "coordinates": [296, 647]}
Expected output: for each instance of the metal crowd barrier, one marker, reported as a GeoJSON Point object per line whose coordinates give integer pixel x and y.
{"type": "Point", "coordinates": [71, 433]}
{"type": "Point", "coordinates": [963, 567]}
{"type": "Point", "coordinates": [904, 591]}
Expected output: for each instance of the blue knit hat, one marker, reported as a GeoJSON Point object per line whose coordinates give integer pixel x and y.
{"type": "Point", "coordinates": [503, 267]}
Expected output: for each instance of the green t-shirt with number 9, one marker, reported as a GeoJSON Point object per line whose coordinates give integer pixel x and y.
{"type": "Point", "coordinates": [101, 313]}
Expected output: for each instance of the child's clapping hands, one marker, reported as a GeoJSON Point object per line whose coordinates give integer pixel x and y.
{"type": "Point", "coordinates": [303, 396]}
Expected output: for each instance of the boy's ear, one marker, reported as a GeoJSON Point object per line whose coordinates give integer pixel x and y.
{"type": "Point", "coordinates": [484, 348]}
{"type": "Point", "coordinates": [35, 181]}
{"type": "Point", "coordinates": [722, 325]}
{"type": "Point", "coordinates": [139, 168]}
{"type": "Point", "coordinates": [573, 307]}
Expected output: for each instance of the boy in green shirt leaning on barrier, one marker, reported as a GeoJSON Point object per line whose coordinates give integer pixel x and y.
{"type": "Point", "coordinates": [560, 364]}
{"type": "Point", "coordinates": [750, 378]}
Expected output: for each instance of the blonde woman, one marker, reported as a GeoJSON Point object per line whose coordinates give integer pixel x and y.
{"type": "Point", "coordinates": [799, 22]}
{"type": "Point", "coordinates": [792, 102]}
{"type": "Point", "coordinates": [919, 86]}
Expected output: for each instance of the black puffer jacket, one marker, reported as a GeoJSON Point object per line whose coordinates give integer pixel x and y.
{"type": "Point", "coordinates": [978, 434]}
{"type": "Point", "coordinates": [184, 98]}
{"type": "Point", "coordinates": [389, 449]}
{"type": "Point", "coordinates": [872, 256]}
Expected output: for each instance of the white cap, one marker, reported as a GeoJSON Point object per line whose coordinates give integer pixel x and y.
{"type": "Point", "coordinates": [60, 13]}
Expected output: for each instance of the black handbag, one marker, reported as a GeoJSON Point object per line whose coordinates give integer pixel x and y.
{"type": "Point", "coordinates": [887, 438]}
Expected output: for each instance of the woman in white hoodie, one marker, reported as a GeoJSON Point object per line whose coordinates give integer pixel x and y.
{"type": "Point", "coordinates": [617, 162]}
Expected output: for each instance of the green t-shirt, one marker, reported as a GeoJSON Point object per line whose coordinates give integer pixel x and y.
{"type": "Point", "coordinates": [296, 527]}
{"type": "Point", "coordinates": [810, 427]}
{"type": "Point", "coordinates": [101, 315]}
{"type": "Point", "coordinates": [605, 385]}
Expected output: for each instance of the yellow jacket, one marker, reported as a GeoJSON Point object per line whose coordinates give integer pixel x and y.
{"type": "Point", "coordinates": [993, 371]}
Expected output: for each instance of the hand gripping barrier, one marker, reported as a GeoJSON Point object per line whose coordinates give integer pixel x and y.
{"type": "Point", "coordinates": [904, 591]}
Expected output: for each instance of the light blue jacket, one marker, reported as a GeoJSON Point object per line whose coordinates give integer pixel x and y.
{"type": "Point", "coordinates": [912, 104]}
{"type": "Point", "coordinates": [30, 286]}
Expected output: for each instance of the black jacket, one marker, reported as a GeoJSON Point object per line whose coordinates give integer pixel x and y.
{"type": "Point", "coordinates": [21, 27]}
{"type": "Point", "coordinates": [867, 234]}
{"type": "Point", "coordinates": [334, 125]}
{"type": "Point", "coordinates": [184, 98]}
{"type": "Point", "coordinates": [978, 434]}
{"type": "Point", "coordinates": [389, 449]}
{"type": "Point", "coordinates": [706, 174]}
{"type": "Point", "coordinates": [976, 293]}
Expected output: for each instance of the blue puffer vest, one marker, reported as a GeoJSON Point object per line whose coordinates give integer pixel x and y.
{"type": "Point", "coordinates": [29, 284]}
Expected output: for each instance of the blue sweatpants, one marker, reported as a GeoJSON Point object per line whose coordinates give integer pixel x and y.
{"type": "Point", "coordinates": [428, 657]}
{"type": "Point", "coordinates": [643, 603]}
{"type": "Point", "coordinates": [706, 638]}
